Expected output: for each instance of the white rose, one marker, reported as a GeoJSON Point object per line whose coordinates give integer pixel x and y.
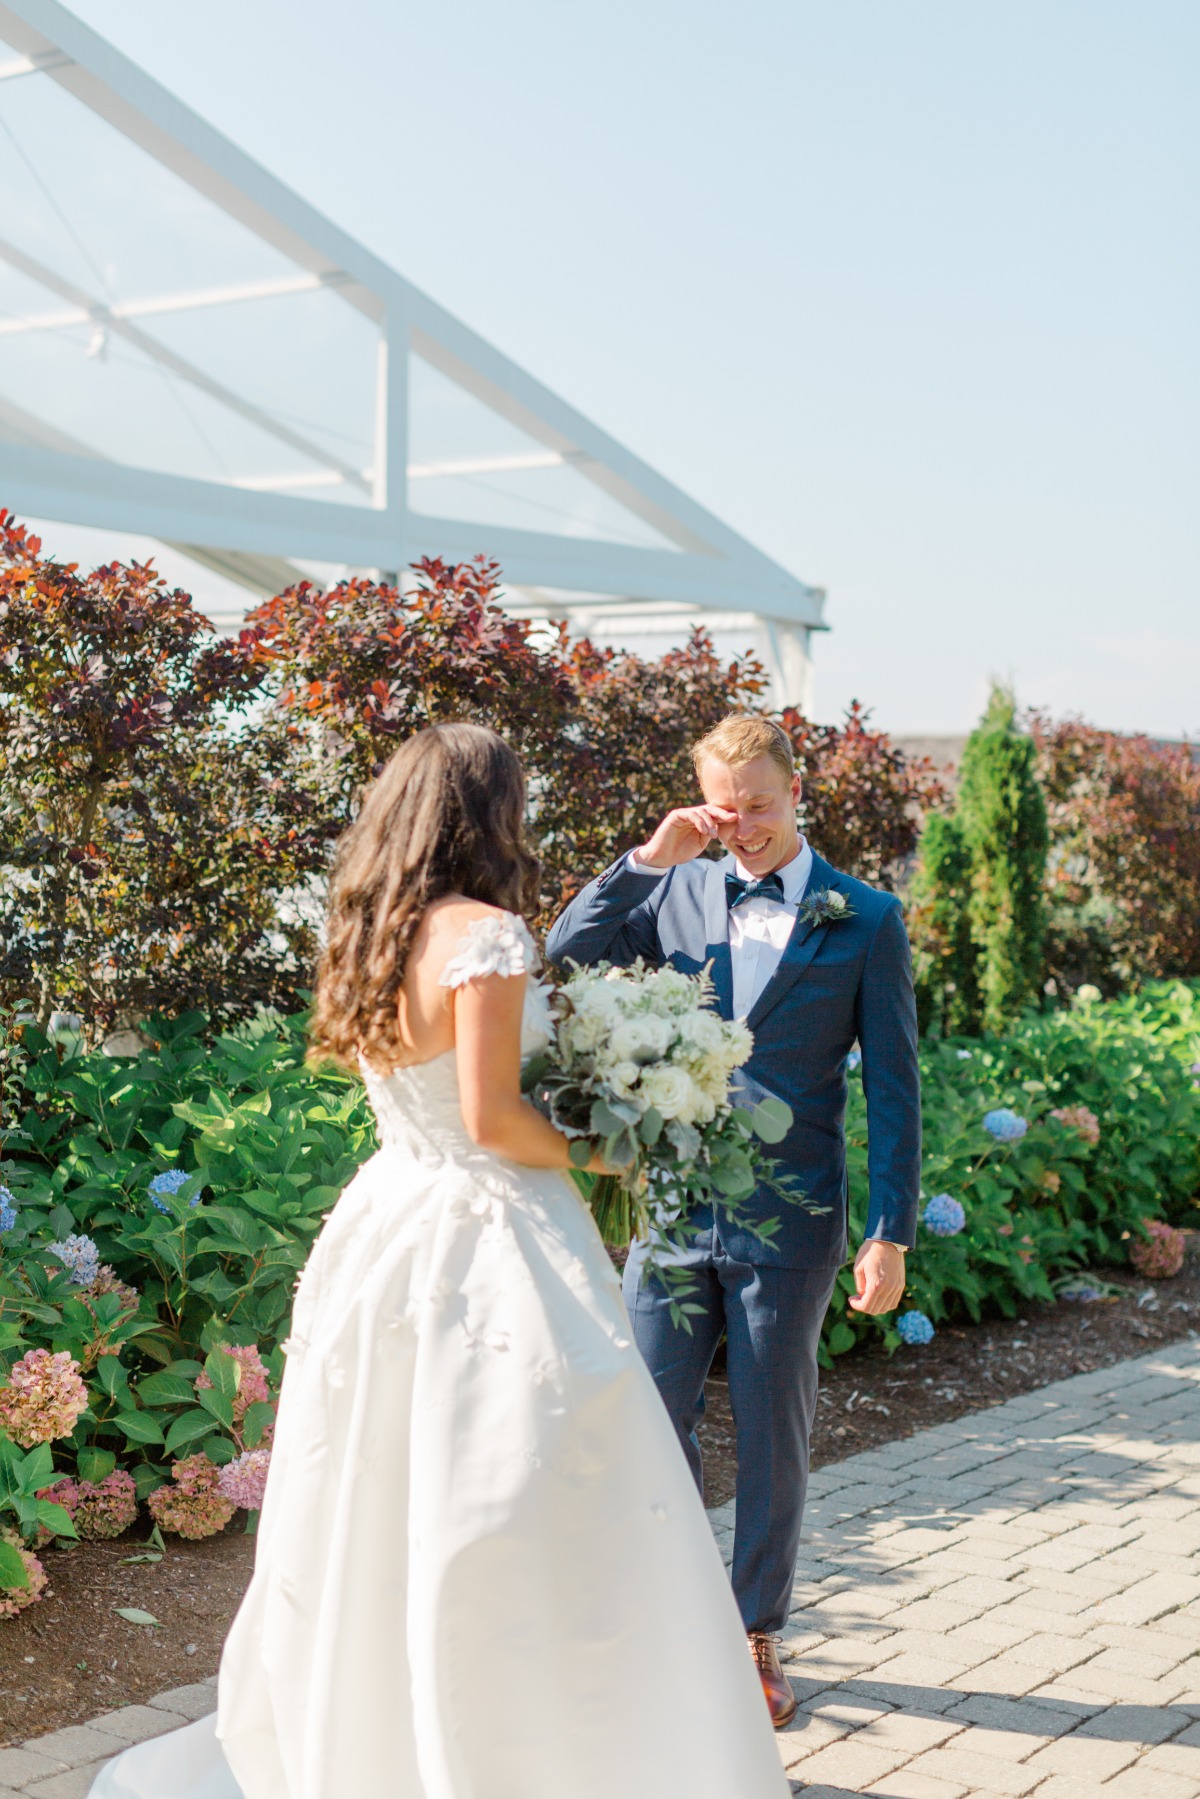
{"type": "Point", "coordinates": [641, 1039]}
{"type": "Point", "coordinates": [622, 1078]}
{"type": "Point", "coordinates": [704, 1031]}
{"type": "Point", "coordinates": [595, 999]}
{"type": "Point", "coordinates": [672, 1092]}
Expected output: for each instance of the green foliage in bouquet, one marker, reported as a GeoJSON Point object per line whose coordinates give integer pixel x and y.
{"type": "Point", "coordinates": [641, 1071]}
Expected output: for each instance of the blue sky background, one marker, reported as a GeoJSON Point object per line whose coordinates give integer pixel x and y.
{"type": "Point", "coordinates": [906, 290]}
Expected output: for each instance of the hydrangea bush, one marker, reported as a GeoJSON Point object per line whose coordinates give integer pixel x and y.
{"type": "Point", "coordinates": [1159, 1254]}
{"type": "Point", "coordinates": [147, 1357]}
{"type": "Point", "coordinates": [153, 1219]}
{"type": "Point", "coordinates": [1049, 1148]}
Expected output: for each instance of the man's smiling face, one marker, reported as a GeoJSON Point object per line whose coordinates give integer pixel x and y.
{"type": "Point", "coordinates": [764, 835]}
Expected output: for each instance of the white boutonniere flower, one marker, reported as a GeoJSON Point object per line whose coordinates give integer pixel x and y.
{"type": "Point", "coordinates": [826, 906]}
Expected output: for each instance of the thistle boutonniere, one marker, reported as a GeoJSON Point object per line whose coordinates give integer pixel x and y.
{"type": "Point", "coordinates": [826, 906]}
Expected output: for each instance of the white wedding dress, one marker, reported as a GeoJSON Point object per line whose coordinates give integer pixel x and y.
{"type": "Point", "coordinates": [483, 1570]}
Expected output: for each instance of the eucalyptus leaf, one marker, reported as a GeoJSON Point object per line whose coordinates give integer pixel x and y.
{"type": "Point", "coordinates": [651, 1127]}
{"type": "Point", "coordinates": [772, 1119]}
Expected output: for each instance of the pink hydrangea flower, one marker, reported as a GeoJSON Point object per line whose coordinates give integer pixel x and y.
{"type": "Point", "coordinates": [44, 1398]}
{"type": "Point", "coordinates": [107, 1281]}
{"type": "Point", "coordinates": [97, 1508]}
{"type": "Point", "coordinates": [252, 1378]}
{"type": "Point", "coordinates": [1159, 1254]}
{"type": "Point", "coordinates": [191, 1502]}
{"type": "Point", "coordinates": [1079, 1118]}
{"type": "Point", "coordinates": [15, 1599]}
{"type": "Point", "coordinates": [244, 1480]}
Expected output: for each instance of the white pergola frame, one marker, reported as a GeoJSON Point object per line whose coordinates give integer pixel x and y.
{"type": "Point", "coordinates": [250, 534]}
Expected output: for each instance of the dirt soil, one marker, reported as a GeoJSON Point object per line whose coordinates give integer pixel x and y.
{"type": "Point", "coordinates": [70, 1657]}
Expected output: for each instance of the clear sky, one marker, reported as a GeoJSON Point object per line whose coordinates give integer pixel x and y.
{"type": "Point", "coordinates": [908, 291]}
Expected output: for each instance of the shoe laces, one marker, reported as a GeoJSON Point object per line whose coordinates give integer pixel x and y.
{"type": "Point", "coordinates": [762, 1643]}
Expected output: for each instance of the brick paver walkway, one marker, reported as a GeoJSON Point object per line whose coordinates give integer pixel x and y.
{"type": "Point", "coordinates": [1009, 1604]}
{"type": "Point", "coordinates": [1006, 1605]}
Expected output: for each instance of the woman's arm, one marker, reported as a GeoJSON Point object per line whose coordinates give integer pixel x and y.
{"type": "Point", "coordinates": [487, 1031]}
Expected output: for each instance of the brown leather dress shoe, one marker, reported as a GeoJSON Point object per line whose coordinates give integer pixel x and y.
{"type": "Point", "coordinates": [781, 1701]}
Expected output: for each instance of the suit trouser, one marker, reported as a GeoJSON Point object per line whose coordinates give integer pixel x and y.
{"type": "Point", "coordinates": [772, 1320]}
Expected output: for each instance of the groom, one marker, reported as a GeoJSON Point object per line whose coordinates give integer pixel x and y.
{"type": "Point", "coordinates": [812, 960]}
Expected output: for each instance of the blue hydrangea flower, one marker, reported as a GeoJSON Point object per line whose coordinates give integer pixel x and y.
{"type": "Point", "coordinates": [169, 1181]}
{"type": "Point", "coordinates": [853, 1060]}
{"type": "Point", "coordinates": [81, 1256]}
{"type": "Point", "coordinates": [945, 1216]}
{"type": "Point", "coordinates": [8, 1209]}
{"type": "Point", "coordinates": [914, 1327]}
{"type": "Point", "coordinates": [1005, 1125]}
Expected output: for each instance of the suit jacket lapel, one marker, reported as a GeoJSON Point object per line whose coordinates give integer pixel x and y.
{"type": "Point", "coordinates": [802, 946]}
{"type": "Point", "coordinates": [716, 932]}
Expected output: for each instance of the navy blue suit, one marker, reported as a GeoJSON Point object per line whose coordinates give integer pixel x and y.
{"type": "Point", "coordinates": [837, 983]}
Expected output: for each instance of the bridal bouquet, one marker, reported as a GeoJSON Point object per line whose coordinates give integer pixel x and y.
{"type": "Point", "coordinates": [640, 1071]}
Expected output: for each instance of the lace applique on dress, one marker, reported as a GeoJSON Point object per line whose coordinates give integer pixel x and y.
{"type": "Point", "coordinates": [498, 944]}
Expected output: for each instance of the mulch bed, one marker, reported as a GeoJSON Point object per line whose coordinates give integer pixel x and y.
{"type": "Point", "coordinates": [71, 1656]}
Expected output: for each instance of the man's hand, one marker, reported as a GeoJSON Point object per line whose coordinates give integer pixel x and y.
{"type": "Point", "coordinates": [684, 833]}
{"type": "Point", "coordinates": [879, 1277]}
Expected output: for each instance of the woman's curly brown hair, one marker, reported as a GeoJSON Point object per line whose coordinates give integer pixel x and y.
{"type": "Point", "coordinates": [445, 816]}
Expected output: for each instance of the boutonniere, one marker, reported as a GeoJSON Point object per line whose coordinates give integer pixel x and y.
{"type": "Point", "coordinates": [826, 906]}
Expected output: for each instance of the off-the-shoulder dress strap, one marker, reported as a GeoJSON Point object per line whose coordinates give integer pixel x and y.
{"type": "Point", "coordinates": [497, 944]}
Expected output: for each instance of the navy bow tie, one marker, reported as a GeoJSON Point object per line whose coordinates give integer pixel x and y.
{"type": "Point", "coordinates": [737, 890]}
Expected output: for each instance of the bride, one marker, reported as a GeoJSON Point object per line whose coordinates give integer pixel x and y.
{"type": "Point", "coordinates": [483, 1570]}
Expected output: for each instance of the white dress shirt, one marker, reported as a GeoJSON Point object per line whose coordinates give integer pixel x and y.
{"type": "Point", "coordinates": [759, 928]}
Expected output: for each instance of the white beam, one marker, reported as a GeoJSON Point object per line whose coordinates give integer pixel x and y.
{"type": "Point", "coordinates": [168, 303]}
{"type": "Point", "coordinates": [32, 65]}
{"type": "Point", "coordinates": [102, 314]}
{"type": "Point", "coordinates": [49, 484]}
{"type": "Point", "coordinates": [486, 465]}
{"type": "Point", "coordinates": [84, 64]}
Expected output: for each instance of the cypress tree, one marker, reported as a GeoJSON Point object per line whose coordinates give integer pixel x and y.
{"type": "Point", "coordinates": [944, 959]}
{"type": "Point", "coordinates": [1002, 816]}
{"type": "Point", "coordinates": [978, 906]}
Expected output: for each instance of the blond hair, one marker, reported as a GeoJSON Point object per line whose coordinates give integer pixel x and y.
{"type": "Point", "coordinates": [742, 736]}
